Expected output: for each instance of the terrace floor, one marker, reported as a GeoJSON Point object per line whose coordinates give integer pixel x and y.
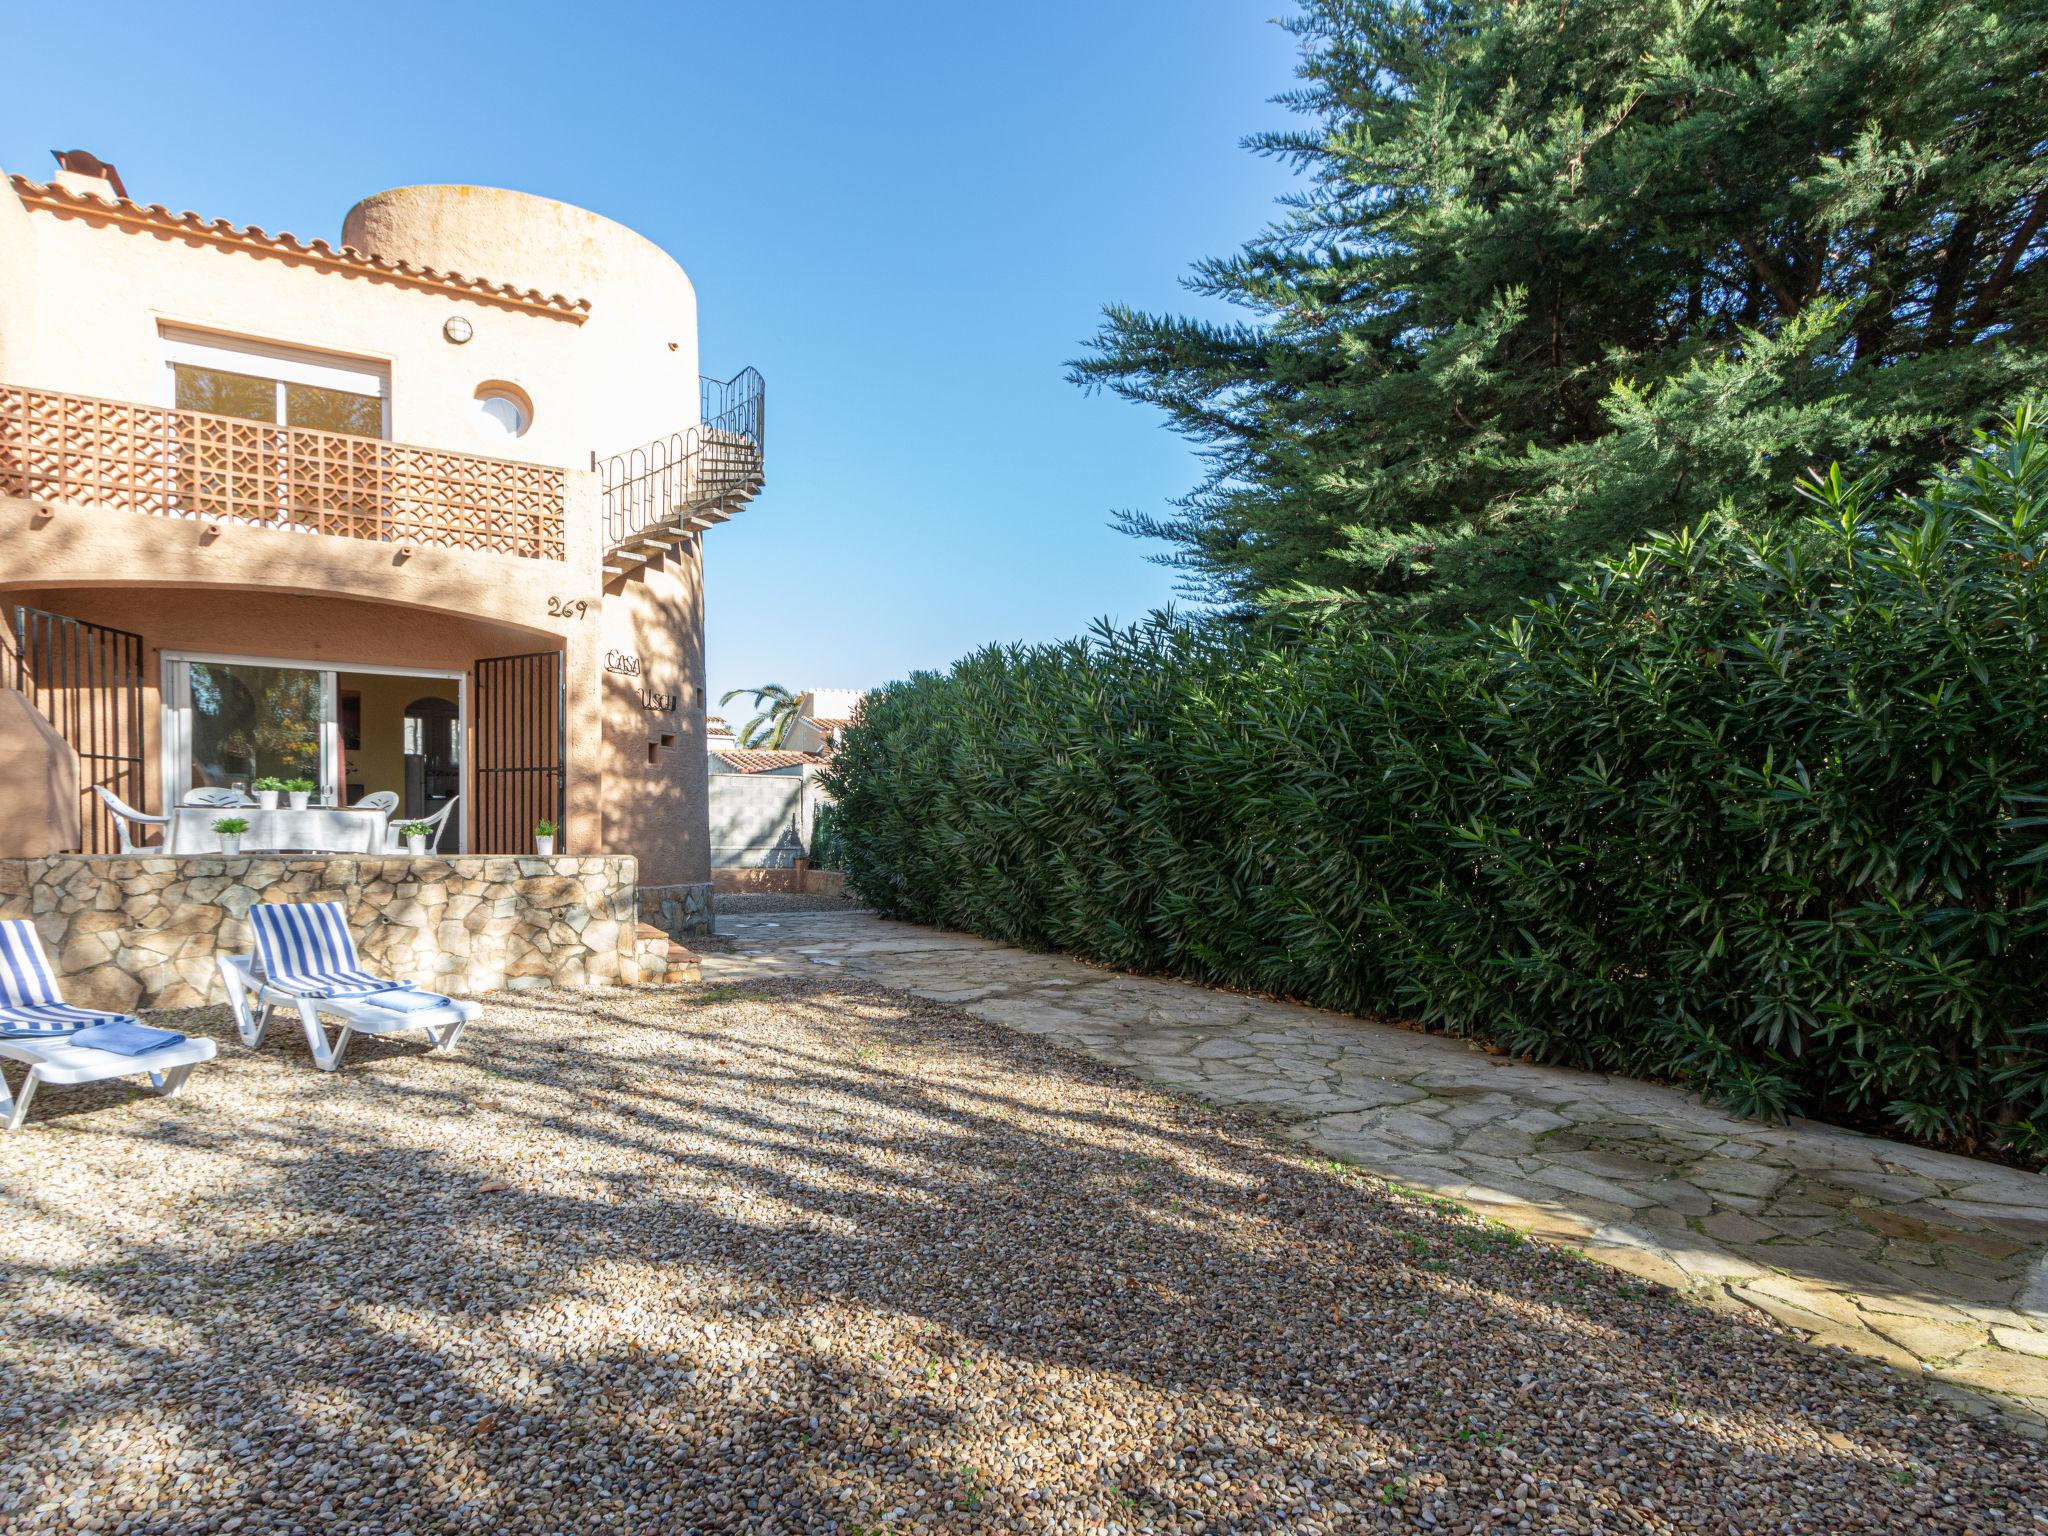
{"type": "Point", "coordinates": [809, 1255]}
{"type": "Point", "coordinates": [1933, 1263]}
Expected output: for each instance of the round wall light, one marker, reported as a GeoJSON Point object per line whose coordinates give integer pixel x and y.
{"type": "Point", "coordinates": [458, 329]}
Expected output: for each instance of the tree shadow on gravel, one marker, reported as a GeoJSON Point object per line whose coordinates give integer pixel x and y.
{"type": "Point", "coordinates": [819, 1257]}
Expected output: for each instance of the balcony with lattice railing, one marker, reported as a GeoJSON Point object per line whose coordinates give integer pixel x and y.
{"type": "Point", "coordinates": [170, 463]}
{"type": "Point", "coordinates": [662, 493]}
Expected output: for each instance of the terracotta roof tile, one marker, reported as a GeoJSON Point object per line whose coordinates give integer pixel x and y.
{"type": "Point", "coordinates": [752, 760]}
{"type": "Point", "coordinates": [318, 253]}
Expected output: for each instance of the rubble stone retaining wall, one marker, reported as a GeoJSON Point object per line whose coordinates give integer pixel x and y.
{"type": "Point", "coordinates": [677, 910]}
{"type": "Point", "coordinates": [139, 932]}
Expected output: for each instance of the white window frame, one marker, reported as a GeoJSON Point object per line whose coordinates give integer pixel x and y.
{"type": "Point", "coordinates": [176, 734]}
{"type": "Point", "coordinates": [274, 360]}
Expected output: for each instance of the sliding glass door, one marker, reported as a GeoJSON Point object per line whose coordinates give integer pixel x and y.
{"type": "Point", "coordinates": [231, 720]}
{"type": "Point", "coordinates": [234, 722]}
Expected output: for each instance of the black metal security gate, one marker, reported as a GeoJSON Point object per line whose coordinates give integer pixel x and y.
{"type": "Point", "coordinates": [86, 680]}
{"type": "Point", "coordinates": [520, 714]}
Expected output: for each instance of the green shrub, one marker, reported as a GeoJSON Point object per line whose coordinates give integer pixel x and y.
{"type": "Point", "coordinates": [827, 850]}
{"type": "Point", "coordinates": [1763, 811]}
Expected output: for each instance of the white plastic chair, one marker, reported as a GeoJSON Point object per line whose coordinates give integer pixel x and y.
{"type": "Point", "coordinates": [124, 814]}
{"type": "Point", "coordinates": [40, 1029]}
{"type": "Point", "coordinates": [394, 843]}
{"type": "Point", "coordinates": [385, 800]}
{"type": "Point", "coordinates": [217, 797]}
{"type": "Point", "coordinates": [306, 957]}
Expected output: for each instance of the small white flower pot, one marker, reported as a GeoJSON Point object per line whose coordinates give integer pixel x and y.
{"type": "Point", "coordinates": [544, 846]}
{"type": "Point", "coordinates": [266, 799]}
{"type": "Point", "coordinates": [416, 846]}
{"type": "Point", "coordinates": [231, 844]}
{"type": "Point", "coordinates": [299, 797]}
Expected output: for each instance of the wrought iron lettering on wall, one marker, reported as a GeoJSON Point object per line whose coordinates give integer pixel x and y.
{"type": "Point", "coordinates": [626, 664]}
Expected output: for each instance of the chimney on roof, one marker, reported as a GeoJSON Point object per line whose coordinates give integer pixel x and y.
{"type": "Point", "coordinates": [87, 175]}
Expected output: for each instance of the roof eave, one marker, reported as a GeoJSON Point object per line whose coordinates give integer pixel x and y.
{"type": "Point", "coordinates": [50, 198]}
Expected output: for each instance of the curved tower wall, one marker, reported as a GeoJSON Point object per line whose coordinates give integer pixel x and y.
{"type": "Point", "coordinates": [633, 377]}
{"type": "Point", "coordinates": [629, 378]}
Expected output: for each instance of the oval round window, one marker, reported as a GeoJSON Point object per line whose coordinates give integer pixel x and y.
{"type": "Point", "coordinates": [506, 409]}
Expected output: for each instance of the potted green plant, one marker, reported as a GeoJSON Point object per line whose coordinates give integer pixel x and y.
{"type": "Point", "coordinates": [544, 838]}
{"type": "Point", "coordinates": [267, 790]}
{"type": "Point", "coordinates": [230, 830]}
{"type": "Point", "coordinates": [416, 834]}
{"type": "Point", "coordinates": [297, 791]}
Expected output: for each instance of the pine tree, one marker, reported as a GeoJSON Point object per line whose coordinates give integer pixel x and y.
{"type": "Point", "coordinates": [1564, 274]}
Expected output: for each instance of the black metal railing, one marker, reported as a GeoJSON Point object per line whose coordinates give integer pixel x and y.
{"type": "Point", "coordinates": [734, 405]}
{"type": "Point", "coordinates": [86, 680]}
{"type": "Point", "coordinates": [521, 726]}
{"type": "Point", "coordinates": [716, 463]}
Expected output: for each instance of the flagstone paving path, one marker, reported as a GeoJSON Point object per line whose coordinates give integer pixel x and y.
{"type": "Point", "coordinates": [1929, 1262]}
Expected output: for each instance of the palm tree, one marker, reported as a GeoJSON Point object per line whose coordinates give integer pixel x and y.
{"type": "Point", "coordinates": [770, 728]}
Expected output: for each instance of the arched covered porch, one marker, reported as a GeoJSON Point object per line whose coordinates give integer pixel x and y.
{"type": "Point", "coordinates": [161, 690]}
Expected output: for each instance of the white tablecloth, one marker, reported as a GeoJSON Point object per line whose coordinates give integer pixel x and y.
{"type": "Point", "coordinates": [323, 829]}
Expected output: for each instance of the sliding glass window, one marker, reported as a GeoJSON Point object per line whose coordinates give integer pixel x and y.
{"type": "Point", "coordinates": [237, 722]}
{"type": "Point", "coordinates": [221, 393]}
{"type": "Point", "coordinates": [333, 410]}
{"type": "Point", "coordinates": [265, 381]}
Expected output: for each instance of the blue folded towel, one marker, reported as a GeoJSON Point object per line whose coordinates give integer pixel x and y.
{"type": "Point", "coordinates": [293, 986]}
{"type": "Point", "coordinates": [13, 1029]}
{"type": "Point", "coordinates": [407, 999]}
{"type": "Point", "coordinates": [125, 1037]}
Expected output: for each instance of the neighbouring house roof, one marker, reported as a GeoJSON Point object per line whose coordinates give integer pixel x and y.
{"type": "Point", "coordinates": [826, 728]}
{"type": "Point", "coordinates": [833, 706]}
{"type": "Point", "coordinates": [752, 760]}
{"type": "Point", "coordinates": [823, 715]}
{"type": "Point", "coordinates": [156, 218]}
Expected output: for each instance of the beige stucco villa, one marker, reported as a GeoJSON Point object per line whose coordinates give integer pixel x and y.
{"type": "Point", "coordinates": [419, 511]}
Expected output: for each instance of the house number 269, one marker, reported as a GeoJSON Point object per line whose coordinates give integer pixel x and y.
{"type": "Point", "coordinates": [567, 607]}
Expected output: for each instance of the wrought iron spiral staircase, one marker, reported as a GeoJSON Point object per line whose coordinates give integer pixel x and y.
{"type": "Point", "coordinates": [664, 493]}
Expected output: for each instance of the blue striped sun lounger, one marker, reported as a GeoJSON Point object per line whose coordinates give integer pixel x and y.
{"type": "Point", "coordinates": [304, 949]}
{"type": "Point", "coordinates": [31, 1007]}
{"type": "Point", "coordinates": [62, 1043]}
{"type": "Point", "coordinates": [305, 957]}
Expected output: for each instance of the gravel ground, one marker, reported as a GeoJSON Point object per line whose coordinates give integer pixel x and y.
{"type": "Point", "coordinates": [817, 1257]}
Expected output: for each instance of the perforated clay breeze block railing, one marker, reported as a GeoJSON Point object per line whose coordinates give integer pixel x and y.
{"type": "Point", "coordinates": [187, 464]}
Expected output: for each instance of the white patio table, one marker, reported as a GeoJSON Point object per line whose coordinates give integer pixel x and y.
{"type": "Point", "coordinates": [318, 829]}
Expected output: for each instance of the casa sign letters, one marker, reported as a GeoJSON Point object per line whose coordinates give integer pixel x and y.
{"type": "Point", "coordinates": [625, 664]}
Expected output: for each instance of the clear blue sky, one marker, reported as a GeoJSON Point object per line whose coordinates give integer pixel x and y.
{"type": "Point", "coordinates": [906, 215]}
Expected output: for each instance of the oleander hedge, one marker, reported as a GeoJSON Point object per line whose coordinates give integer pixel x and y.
{"type": "Point", "coordinates": [826, 850]}
{"type": "Point", "coordinates": [1766, 811]}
